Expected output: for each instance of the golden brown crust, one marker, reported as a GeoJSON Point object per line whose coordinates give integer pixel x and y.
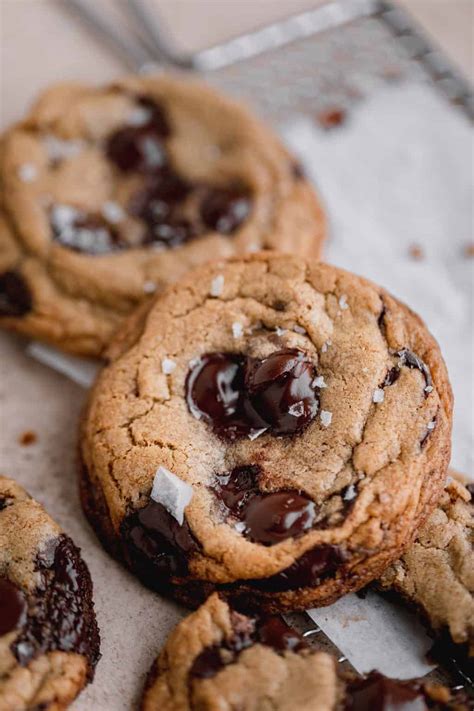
{"type": "Point", "coordinates": [137, 420]}
{"type": "Point", "coordinates": [80, 299]}
{"type": "Point", "coordinates": [436, 573]}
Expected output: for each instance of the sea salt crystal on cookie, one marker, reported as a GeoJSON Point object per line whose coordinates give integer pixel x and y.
{"type": "Point", "coordinates": [253, 434]}
{"type": "Point", "coordinates": [325, 417]}
{"type": "Point", "coordinates": [113, 212]}
{"type": "Point", "coordinates": [171, 492]}
{"type": "Point", "coordinates": [431, 425]}
{"type": "Point", "coordinates": [139, 116]}
{"type": "Point", "coordinates": [59, 149]}
{"type": "Point", "coordinates": [343, 302]}
{"type": "Point", "coordinates": [27, 172]}
{"type": "Point", "coordinates": [296, 409]}
{"type": "Point", "coordinates": [280, 331]}
{"type": "Point", "coordinates": [217, 285]}
{"type": "Point", "coordinates": [149, 287]}
{"type": "Point", "coordinates": [319, 382]}
{"type": "Point", "coordinates": [240, 526]}
{"type": "Point", "coordinates": [62, 216]}
{"type": "Point", "coordinates": [378, 395]}
{"type": "Point", "coordinates": [429, 389]}
{"type": "Point", "coordinates": [299, 329]}
{"type": "Point", "coordinates": [325, 346]}
{"type": "Point", "coordinates": [350, 493]}
{"type": "Point", "coordinates": [167, 366]}
{"type": "Point", "coordinates": [237, 329]}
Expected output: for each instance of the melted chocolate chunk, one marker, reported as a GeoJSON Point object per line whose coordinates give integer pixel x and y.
{"type": "Point", "coordinates": [268, 517]}
{"type": "Point", "coordinates": [456, 658]}
{"type": "Point", "coordinates": [298, 171]}
{"type": "Point", "coordinates": [154, 203]}
{"type": "Point", "coordinates": [379, 693]}
{"type": "Point", "coordinates": [238, 395]}
{"type": "Point", "coordinates": [15, 296]}
{"type": "Point", "coordinates": [81, 232]}
{"type": "Point", "coordinates": [225, 209]}
{"type": "Point", "coordinates": [410, 360]}
{"type": "Point", "coordinates": [238, 487]}
{"type": "Point", "coordinates": [12, 607]}
{"type": "Point", "coordinates": [140, 148]}
{"type": "Point", "coordinates": [271, 518]}
{"type": "Point", "coordinates": [271, 631]}
{"type": "Point", "coordinates": [60, 611]}
{"type": "Point", "coordinates": [274, 632]}
{"type": "Point", "coordinates": [308, 571]}
{"type": "Point", "coordinates": [391, 377]}
{"type": "Point", "coordinates": [156, 546]}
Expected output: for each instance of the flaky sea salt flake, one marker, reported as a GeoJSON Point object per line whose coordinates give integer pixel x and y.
{"type": "Point", "coordinates": [113, 212]}
{"type": "Point", "coordinates": [253, 434]}
{"type": "Point", "coordinates": [217, 286]}
{"type": "Point", "coordinates": [171, 492]}
{"type": "Point", "coordinates": [325, 417]}
{"type": "Point", "coordinates": [299, 329]}
{"type": "Point", "coordinates": [319, 382]}
{"type": "Point", "coordinates": [167, 366]}
{"type": "Point", "coordinates": [27, 172]}
{"type": "Point", "coordinates": [297, 409]}
{"type": "Point", "coordinates": [378, 395]}
{"type": "Point", "coordinates": [237, 329]}
{"type": "Point", "coordinates": [343, 302]}
{"type": "Point", "coordinates": [149, 287]}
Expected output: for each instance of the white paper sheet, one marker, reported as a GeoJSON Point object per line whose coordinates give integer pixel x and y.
{"type": "Point", "coordinates": [398, 173]}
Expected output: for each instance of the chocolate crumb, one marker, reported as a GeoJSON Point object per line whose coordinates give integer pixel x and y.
{"type": "Point", "coordinates": [416, 252]}
{"type": "Point", "coordinates": [469, 249]}
{"type": "Point", "coordinates": [27, 438]}
{"type": "Point", "coordinates": [331, 118]}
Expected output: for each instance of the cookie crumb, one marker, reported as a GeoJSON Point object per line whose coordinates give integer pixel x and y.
{"type": "Point", "coordinates": [378, 395]}
{"type": "Point", "coordinates": [325, 417]}
{"type": "Point", "coordinates": [319, 382]}
{"type": "Point", "coordinates": [113, 212]}
{"type": "Point", "coordinates": [27, 172]}
{"type": "Point", "coordinates": [469, 250]}
{"type": "Point", "coordinates": [171, 492]}
{"type": "Point", "coordinates": [416, 252]}
{"type": "Point", "coordinates": [332, 117]}
{"type": "Point", "coordinates": [167, 366]}
{"type": "Point", "coordinates": [149, 287]}
{"type": "Point", "coordinates": [217, 286]}
{"type": "Point", "coordinates": [237, 329]}
{"type": "Point", "coordinates": [28, 437]}
{"type": "Point", "coordinates": [343, 302]}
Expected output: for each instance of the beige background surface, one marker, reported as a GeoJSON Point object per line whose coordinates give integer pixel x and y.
{"type": "Point", "coordinates": [40, 44]}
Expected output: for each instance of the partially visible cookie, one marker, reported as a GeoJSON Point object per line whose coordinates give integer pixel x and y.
{"type": "Point", "coordinates": [436, 573]}
{"type": "Point", "coordinates": [49, 640]}
{"type": "Point", "coordinates": [218, 659]}
{"type": "Point", "coordinates": [110, 193]}
{"type": "Point", "coordinates": [272, 429]}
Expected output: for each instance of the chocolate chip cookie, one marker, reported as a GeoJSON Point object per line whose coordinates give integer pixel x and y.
{"type": "Point", "coordinates": [273, 429]}
{"type": "Point", "coordinates": [218, 658]}
{"type": "Point", "coordinates": [108, 194]}
{"type": "Point", "coordinates": [436, 575]}
{"type": "Point", "coordinates": [49, 640]}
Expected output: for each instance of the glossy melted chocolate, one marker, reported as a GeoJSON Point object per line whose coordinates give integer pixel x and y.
{"type": "Point", "coordinates": [239, 395]}
{"type": "Point", "coordinates": [60, 613]}
{"type": "Point", "coordinates": [15, 297]}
